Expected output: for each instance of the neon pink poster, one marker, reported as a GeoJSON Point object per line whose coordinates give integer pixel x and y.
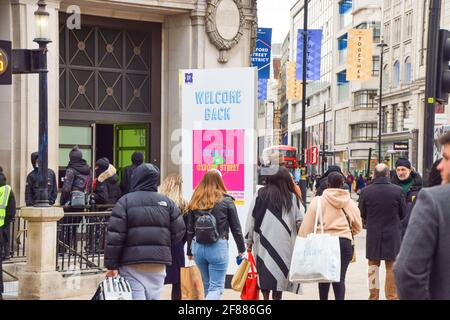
{"type": "Point", "coordinates": [222, 150]}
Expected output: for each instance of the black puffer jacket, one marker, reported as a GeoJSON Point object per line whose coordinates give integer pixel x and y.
{"type": "Point", "coordinates": [144, 224]}
{"type": "Point", "coordinates": [226, 217]}
{"type": "Point", "coordinates": [137, 159]}
{"type": "Point", "coordinates": [107, 190]}
{"type": "Point", "coordinates": [32, 186]}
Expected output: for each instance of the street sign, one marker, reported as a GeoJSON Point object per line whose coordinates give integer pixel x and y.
{"type": "Point", "coordinates": [327, 153]}
{"type": "Point", "coordinates": [5, 62]}
{"type": "Point", "coordinates": [401, 146]}
{"type": "Point", "coordinates": [314, 156]}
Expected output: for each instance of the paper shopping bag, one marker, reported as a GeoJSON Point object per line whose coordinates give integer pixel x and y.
{"type": "Point", "coordinates": [239, 278]}
{"type": "Point", "coordinates": [191, 283]}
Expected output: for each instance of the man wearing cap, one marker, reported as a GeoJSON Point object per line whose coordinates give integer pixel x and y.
{"type": "Point", "coordinates": [410, 182]}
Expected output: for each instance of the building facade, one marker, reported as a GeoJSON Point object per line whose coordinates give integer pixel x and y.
{"type": "Point", "coordinates": [113, 78]}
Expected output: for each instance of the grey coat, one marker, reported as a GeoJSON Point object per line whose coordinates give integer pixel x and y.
{"type": "Point", "coordinates": [382, 206]}
{"type": "Point", "coordinates": [422, 270]}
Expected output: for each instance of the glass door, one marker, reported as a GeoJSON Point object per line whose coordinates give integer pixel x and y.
{"type": "Point", "coordinates": [128, 139]}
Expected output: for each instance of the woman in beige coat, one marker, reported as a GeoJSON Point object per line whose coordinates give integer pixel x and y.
{"type": "Point", "coordinates": [341, 217]}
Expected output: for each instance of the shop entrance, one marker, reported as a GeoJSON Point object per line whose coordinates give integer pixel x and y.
{"type": "Point", "coordinates": [116, 142]}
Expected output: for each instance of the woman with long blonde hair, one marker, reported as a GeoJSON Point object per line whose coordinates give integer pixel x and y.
{"type": "Point", "coordinates": [211, 214]}
{"type": "Point", "coordinates": [172, 188]}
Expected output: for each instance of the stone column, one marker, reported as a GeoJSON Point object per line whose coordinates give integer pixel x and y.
{"type": "Point", "coordinates": [40, 280]}
{"type": "Point", "coordinates": [400, 116]}
{"type": "Point", "coordinates": [389, 115]}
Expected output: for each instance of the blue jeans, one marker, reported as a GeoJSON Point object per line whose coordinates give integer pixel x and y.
{"type": "Point", "coordinates": [212, 261]}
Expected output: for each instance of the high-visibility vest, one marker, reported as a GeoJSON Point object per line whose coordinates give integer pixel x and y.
{"type": "Point", "coordinates": [5, 191]}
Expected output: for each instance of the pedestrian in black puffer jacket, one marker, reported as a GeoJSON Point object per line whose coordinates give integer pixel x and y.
{"type": "Point", "coordinates": [143, 226]}
{"type": "Point", "coordinates": [106, 186]}
{"type": "Point", "coordinates": [77, 176]}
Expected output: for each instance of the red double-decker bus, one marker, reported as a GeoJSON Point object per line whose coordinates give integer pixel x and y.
{"type": "Point", "coordinates": [289, 155]}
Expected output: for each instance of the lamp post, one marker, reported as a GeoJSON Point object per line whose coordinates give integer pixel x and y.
{"type": "Point", "coordinates": [381, 45]}
{"type": "Point", "coordinates": [42, 18]}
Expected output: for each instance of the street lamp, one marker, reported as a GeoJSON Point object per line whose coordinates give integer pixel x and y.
{"type": "Point", "coordinates": [42, 18]}
{"type": "Point", "coordinates": [381, 45]}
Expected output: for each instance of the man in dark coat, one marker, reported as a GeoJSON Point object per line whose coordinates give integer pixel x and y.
{"type": "Point", "coordinates": [77, 176]}
{"type": "Point", "coordinates": [10, 212]}
{"type": "Point", "coordinates": [143, 226]}
{"type": "Point", "coordinates": [106, 185]}
{"type": "Point", "coordinates": [422, 267]}
{"type": "Point", "coordinates": [322, 183]}
{"type": "Point", "coordinates": [382, 207]}
{"type": "Point", "coordinates": [410, 182]}
{"type": "Point", "coordinates": [32, 187]}
{"type": "Point", "coordinates": [137, 159]}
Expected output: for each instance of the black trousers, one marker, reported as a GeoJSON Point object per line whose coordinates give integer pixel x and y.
{"type": "Point", "coordinates": [339, 287]}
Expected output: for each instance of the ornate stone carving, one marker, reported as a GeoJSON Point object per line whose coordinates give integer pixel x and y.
{"type": "Point", "coordinates": [222, 44]}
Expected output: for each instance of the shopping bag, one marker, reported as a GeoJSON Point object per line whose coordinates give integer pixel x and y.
{"type": "Point", "coordinates": [251, 289]}
{"type": "Point", "coordinates": [191, 283]}
{"type": "Point", "coordinates": [316, 258]}
{"type": "Point", "coordinates": [116, 288]}
{"type": "Point", "coordinates": [239, 278]}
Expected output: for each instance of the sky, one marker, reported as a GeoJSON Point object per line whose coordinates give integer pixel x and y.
{"type": "Point", "coordinates": [275, 14]}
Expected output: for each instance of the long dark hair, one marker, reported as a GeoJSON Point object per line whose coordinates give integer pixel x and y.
{"type": "Point", "coordinates": [279, 189]}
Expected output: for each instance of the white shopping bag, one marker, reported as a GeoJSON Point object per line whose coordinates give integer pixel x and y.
{"type": "Point", "coordinates": [116, 288]}
{"type": "Point", "coordinates": [316, 258]}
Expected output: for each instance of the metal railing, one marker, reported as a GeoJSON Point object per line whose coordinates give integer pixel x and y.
{"type": "Point", "coordinates": [17, 236]}
{"type": "Point", "coordinates": [81, 241]}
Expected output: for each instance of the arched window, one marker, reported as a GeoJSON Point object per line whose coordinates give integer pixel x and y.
{"type": "Point", "coordinates": [396, 74]}
{"type": "Point", "coordinates": [385, 77]}
{"type": "Point", "coordinates": [408, 74]}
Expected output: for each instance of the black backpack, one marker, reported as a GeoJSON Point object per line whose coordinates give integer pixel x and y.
{"type": "Point", "coordinates": [205, 227]}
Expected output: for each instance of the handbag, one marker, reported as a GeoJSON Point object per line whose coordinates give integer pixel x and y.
{"type": "Point", "coordinates": [80, 198]}
{"type": "Point", "coordinates": [191, 283]}
{"type": "Point", "coordinates": [316, 258]}
{"type": "Point", "coordinates": [353, 237]}
{"type": "Point", "coordinates": [117, 288]}
{"type": "Point", "coordinates": [251, 289]}
{"type": "Point", "coordinates": [240, 277]}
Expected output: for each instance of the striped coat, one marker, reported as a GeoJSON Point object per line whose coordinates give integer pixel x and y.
{"type": "Point", "coordinates": [272, 233]}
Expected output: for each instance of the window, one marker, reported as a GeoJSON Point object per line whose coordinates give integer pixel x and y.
{"type": "Point", "coordinates": [406, 108]}
{"type": "Point", "coordinates": [408, 25]}
{"type": "Point", "coordinates": [387, 33]}
{"type": "Point", "coordinates": [345, 12]}
{"type": "Point", "coordinates": [384, 119]}
{"type": "Point", "coordinates": [397, 30]}
{"type": "Point", "coordinates": [342, 47]}
{"type": "Point", "coordinates": [407, 75]}
{"type": "Point", "coordinates": [343, 86]}
{"type": "Point", "coordinates": [376, 66]}
{"type": "Point", "coordinates": [386, 77]}
{"type": "Point", "coordinates": [375, 26]}
{"type": "Point", "coordinates": [394, 118]}
{"type": "Point", "coordinates": [396, 74]}
{"type": "Point", "coordinates": [365, 99]}
{"type": "Point", "coordinates": [364, 132]}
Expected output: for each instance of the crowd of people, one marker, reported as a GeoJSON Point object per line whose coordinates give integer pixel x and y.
{"type": "Point", "coordinates": [150, 225]}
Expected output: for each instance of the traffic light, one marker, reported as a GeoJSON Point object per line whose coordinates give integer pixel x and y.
{"type": "Point", "coordinates": [443, 70]}
{"type": "Point", "coordinates": [5, 62]}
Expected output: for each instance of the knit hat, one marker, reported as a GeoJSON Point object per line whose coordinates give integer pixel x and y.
{"type": "Point", "coordinates": [103, 164]}
{"type": "Point", "coordinates": [75, 154]}
{"type": "Point", "coordinates": [403, 162]}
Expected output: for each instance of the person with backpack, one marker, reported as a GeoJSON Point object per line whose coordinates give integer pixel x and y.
{"type": "Point", "coordinates": [77, 176]}
{"type": "Point", "coordinates": [271, 230]}
{"type": "Point", "coordinates": [211, 214]}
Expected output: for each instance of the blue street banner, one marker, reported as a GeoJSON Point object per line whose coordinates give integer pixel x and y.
{"type": "Point", "coordinates": [262, 89]}
{"type": "Point", "coordinates": [261, 57]}
{"type": "Point", "coordinates": [313, 55]}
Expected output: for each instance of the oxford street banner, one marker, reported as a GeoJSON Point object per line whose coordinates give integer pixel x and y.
{"type": "Point", "coordinates": [218, 119]}
{"type": "Point", "coordinates": [359, 56]}
{"type": "Point", "coordinates": [313, 54]}
{"type": "Point", "coordinates": [294, 87]}
{"type": "Point", "coordinates": [262, 56]}
{"type": "Point", "coordinates": [262, 89]}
